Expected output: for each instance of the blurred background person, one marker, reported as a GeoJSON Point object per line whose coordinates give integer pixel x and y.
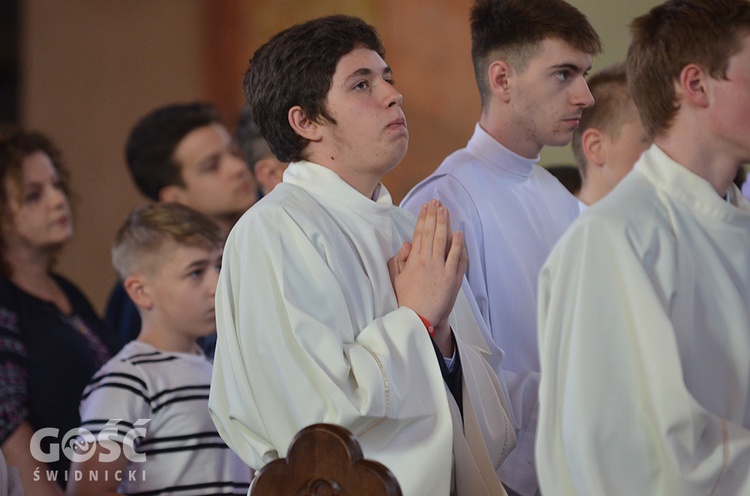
{"type": "Point", "coordinates": [183, 153]}
{"type": "Point", "coordinates": [610, 137]}
{"type": "Point", "coordinates": [51, 340]}
{"type": "Point", "coordinates": [266, 168]}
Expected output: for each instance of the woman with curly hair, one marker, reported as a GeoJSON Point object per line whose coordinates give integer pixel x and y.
{"type": "Point", "coordinates": [51, 339]}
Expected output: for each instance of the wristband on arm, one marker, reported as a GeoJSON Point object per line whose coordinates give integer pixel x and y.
{"type": "Point", "coordinates": [428, 326]}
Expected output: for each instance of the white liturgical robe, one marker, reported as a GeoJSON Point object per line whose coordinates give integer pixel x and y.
{"type": "Point", "coordinates": [512, 212]}
{"type": "Point", "coordinates": [644, 313]}
{"type": "Point", "coordinates": [309, 330]}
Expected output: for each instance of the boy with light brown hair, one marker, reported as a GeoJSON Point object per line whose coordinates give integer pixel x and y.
{"type": "Point", "coordinates": [610, 138]}
{"type": "Point", "coordinates": [149, 404]}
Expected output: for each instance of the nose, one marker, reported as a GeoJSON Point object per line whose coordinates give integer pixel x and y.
{"type": "Point", "coordinates": [582, 96]}
{"type": "Point", "coordinates": [58, 198]}
{"type": "Point", "coordinates": [393, 96]}
{"type": "Point", "coordinates": [237, 166]}
{"type": "Point", "coordinates": [212, 281]}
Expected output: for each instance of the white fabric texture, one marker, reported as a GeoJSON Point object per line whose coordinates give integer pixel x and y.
{"type": "Point", "coordinates": [511, 212]}
{"type": "Point", "coordinates": [645, 342]}
{"type": "Point", "coordinates": [309, 331]}
{"type": "Point", "coordinates": [10, 482]}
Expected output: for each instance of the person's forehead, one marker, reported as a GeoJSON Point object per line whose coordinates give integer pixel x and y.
{"type": "Point", "coordinates": [556, 51]}
{"type": "Point", "coordinates": [37, 165]}
{"type": "Point", "coordinates": [178, 255]}
{"type": "Point", "coordinates": [358, 60]}
{"type": "Point", "coordinates": [200, 143]}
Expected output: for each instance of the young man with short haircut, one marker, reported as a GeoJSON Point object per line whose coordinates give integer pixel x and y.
{"type": "Point", "coordinates": [530, 60]}
{"type": "Point", "coordinates": [332, 306]}
{"type": "Point", "coordinates": [643, 306]}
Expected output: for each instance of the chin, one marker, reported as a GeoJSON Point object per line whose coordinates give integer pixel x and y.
{"type": "Point", "coordinates": [206, 332]}
{"type": "Point", "coordinates": [396, 158]}
{"type": "Point", "coordinates": [56, 246]}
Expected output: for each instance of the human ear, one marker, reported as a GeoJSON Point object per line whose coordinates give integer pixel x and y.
{"type": "Point", "coordinates": [692, 85]}
{"type": "Point", "coordinates": [172, 194]}
{"type": "Point", "coordinates": [137, 288]}
{"type": "Point", "coordinates": [303, 126]}
{"type": "Point", "coordinates": [499, 74]}
{"type": "Point", "coordinates": [594, 147]}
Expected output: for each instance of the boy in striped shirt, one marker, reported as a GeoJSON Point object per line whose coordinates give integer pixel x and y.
{"type": "Point", "coordinates": [145, 422]}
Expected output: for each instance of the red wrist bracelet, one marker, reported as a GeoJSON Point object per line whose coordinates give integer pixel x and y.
{"type": "Point", "coordinates": [430, 329]}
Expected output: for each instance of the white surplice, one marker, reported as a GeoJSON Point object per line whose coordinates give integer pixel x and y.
{"type": "Point", "coordinates": [512, 212]}
{"type": "Point", "coordinates": [309, 331]}
{"type": "Point", "coordinates": [644, 314]}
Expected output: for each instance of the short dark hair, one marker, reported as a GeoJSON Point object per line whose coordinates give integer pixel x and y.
{"type": "Point", "coordinates": [295, 67]}
{"type": "Point", "coordinates": [673, 35]}
{"type": "Point", "coordinates": [251, 142]}
{"type": "Point", "coordinates": [149, 151]}
{"type": "Point", "coordinates": [16, 144]}
{"type": "Point", "coordinates": [609, 87]}
{"type": "Point", "coordinates": [511, 30]}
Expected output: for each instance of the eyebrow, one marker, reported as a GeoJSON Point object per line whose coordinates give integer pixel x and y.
{"type": "Point", "coordinates": [570, 66]}
{"type": "Point", "coordinates": [211, 157]}
{"type": "Point", "coordinates": [197, 264]}
{"type": "Point", "coordinates": [365, 71]}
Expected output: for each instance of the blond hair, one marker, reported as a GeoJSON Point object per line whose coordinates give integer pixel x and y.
{"type": "Point", "coordinates": [148, 228]}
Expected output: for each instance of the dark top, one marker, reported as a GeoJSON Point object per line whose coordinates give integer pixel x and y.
{"type": "Point", "coordinates": [453, 378]}
{"type": "Point", "coordinates": [122, 314]}
{"type": "Point", "coordinates": [46, 360]}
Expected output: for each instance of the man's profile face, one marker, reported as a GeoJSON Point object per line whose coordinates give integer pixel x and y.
{"type": "Point", "coordinates": [547, 97]}
{"type": "Point", "coordinates": [218, 182]}
{"type": "Point", "coordinates": [370, 135]}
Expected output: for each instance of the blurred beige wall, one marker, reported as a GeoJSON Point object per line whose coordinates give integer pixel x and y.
{"type": "Point", "coordinates": [91, 68]}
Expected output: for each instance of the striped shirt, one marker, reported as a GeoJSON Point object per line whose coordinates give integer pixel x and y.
{"type": "Point", "coordinates": [155, 404]}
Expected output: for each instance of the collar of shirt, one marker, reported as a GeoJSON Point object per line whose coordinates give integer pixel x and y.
{"type": "Point", "coordinates": [324, 182]}
{"type": "Point", "coordinates": [500, 159]}
{"type": "Point", "coordinates": [689, 188]}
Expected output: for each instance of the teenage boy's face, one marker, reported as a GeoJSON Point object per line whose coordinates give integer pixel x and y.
{"type": "Point", "coordinates": [547, 97]}
{"type": "Point", "coordinates": [183, 289]}
{"type": "Point", "coordinates": [218, 182]}
{"type": "Point", "coordinates": [370, 136]}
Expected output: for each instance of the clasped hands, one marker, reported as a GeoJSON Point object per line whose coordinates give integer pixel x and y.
{"type": "Point", "coordinates": [427, 272]}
